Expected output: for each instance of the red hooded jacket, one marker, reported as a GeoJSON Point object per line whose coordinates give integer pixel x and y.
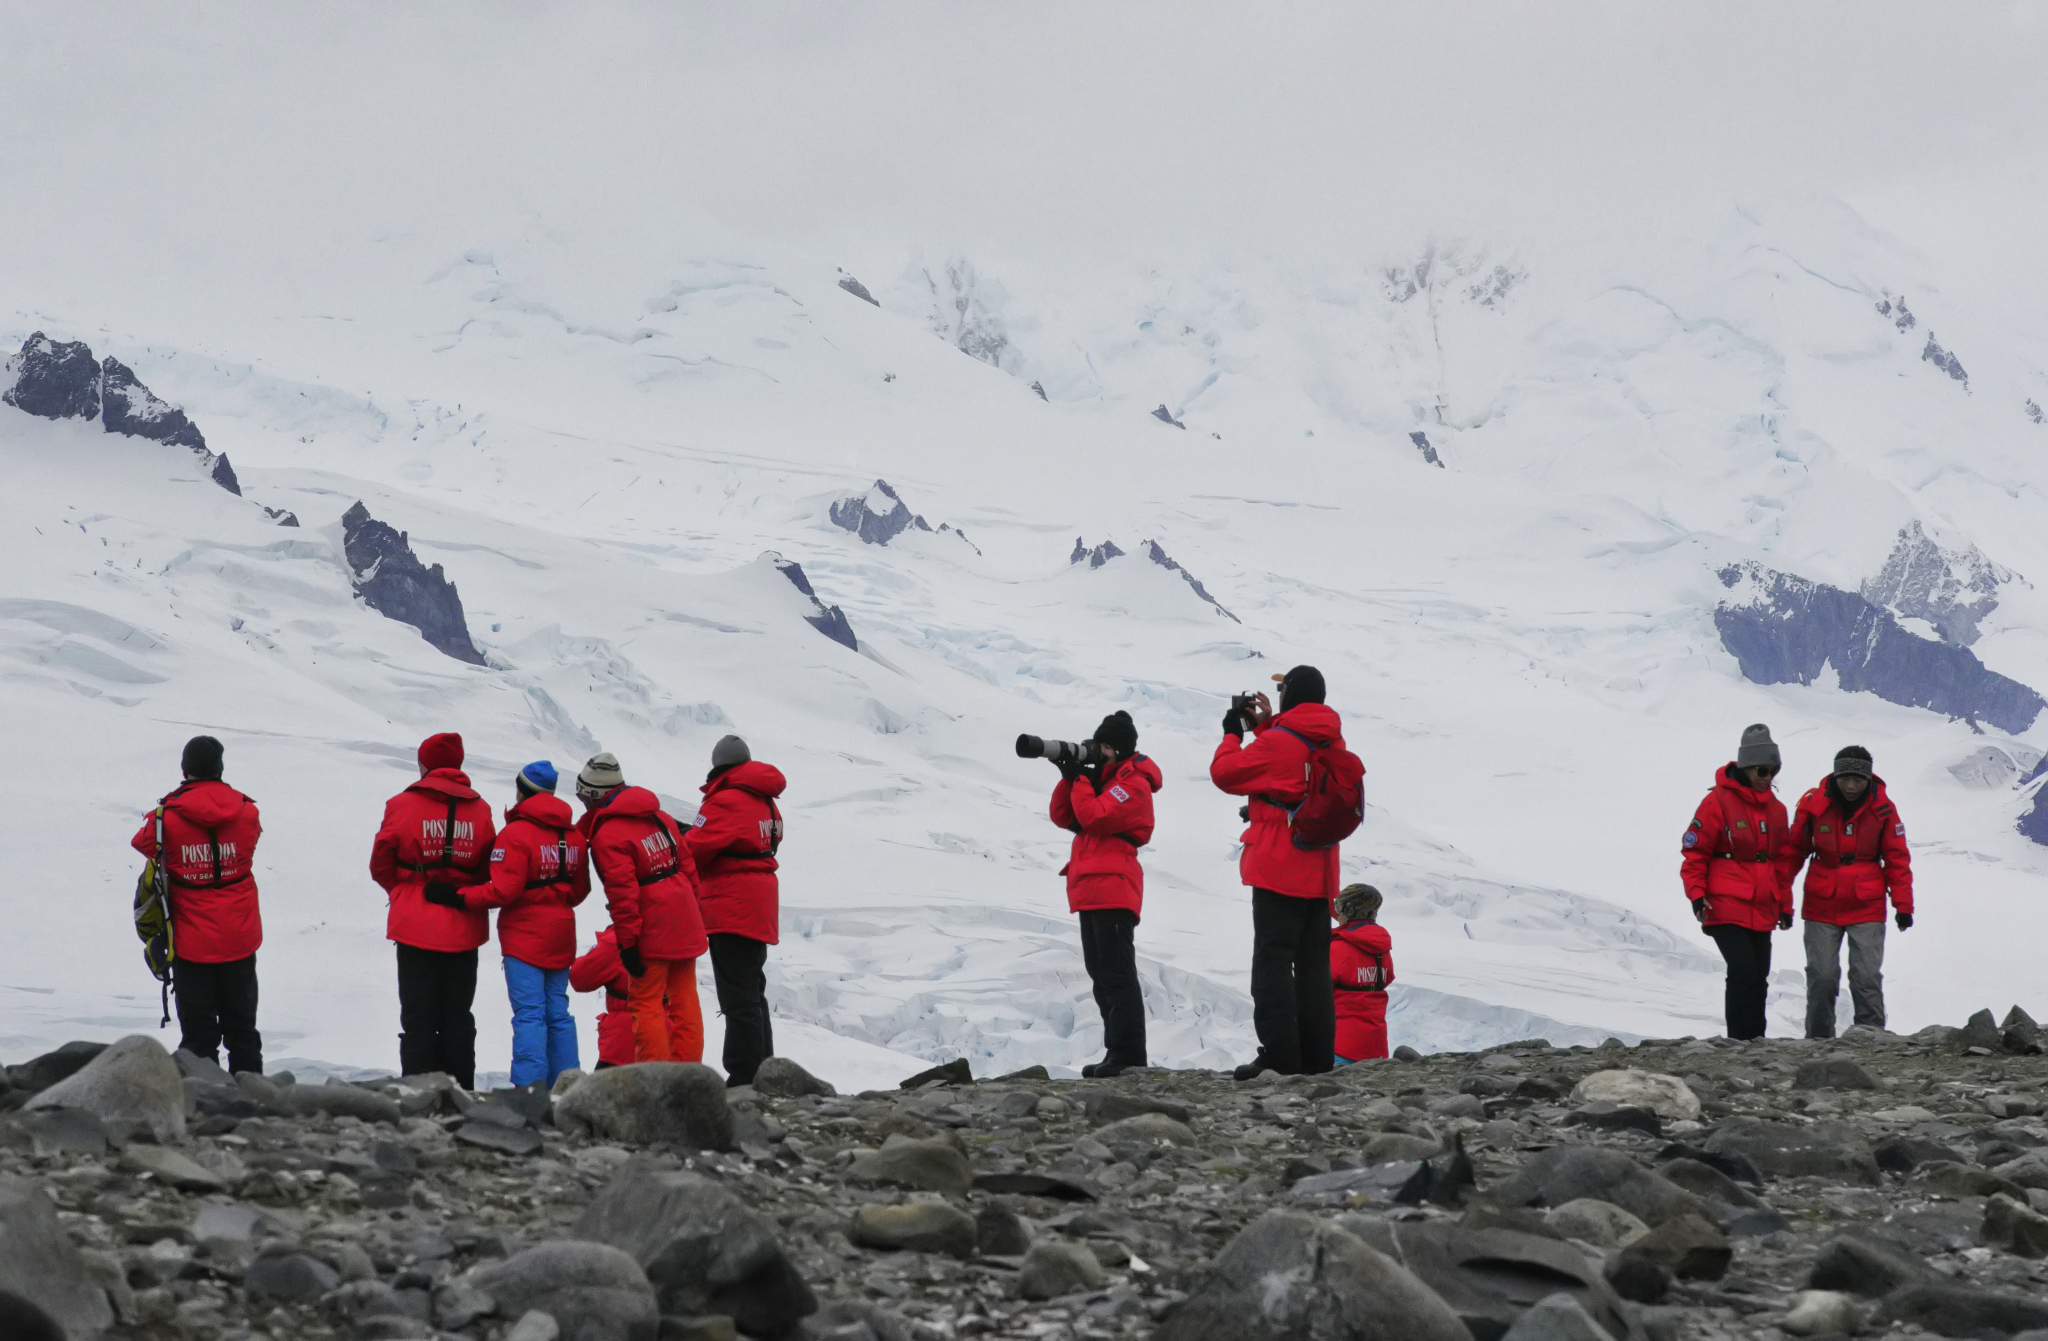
{"type": "Point", "coordinates": [1858, 858]}
{"type": "Point", "coordinates": [538, 876]}
{"type": "Point", "coordinates": [1110, 823]}
{"type": "Point", "coordinates": [1361, 966]}
{"type": "Point", "coordinates": [1273, 771]}
{"type": "Point", "coordinates": [731, 843]}
{"type": "Point", "coordinates": [601, 969]}
{"type": "Point", "coordinates": [436, 829]}
{"type": "Point", "coordinates": [210, 833]}
{"type": "Point", "coordinates": [1738, 855]}
{"type": "Point", "coordinates": [650, 883]}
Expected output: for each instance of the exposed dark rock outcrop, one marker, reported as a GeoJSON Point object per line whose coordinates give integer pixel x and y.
{"type": "Point", "coordinates": [1944, 360]}
{"type": "Point", "coordinates": [1784, 629]}
{"type": "Point", "coordinates": [1159, 556]}
{"type": "Point", "coordinates": [1421, 441]}
{"type": "Point", "coordinates": [1039, 387]}
{"type": "Point", "coordinates": [54, 379]}
{"type": "Point", "coordinates": [829, 620]}
{"type": "Point", "coordinates": [877, 516]}
{"type": "Point", "coordinates": [1165, 416]}
{"type": "Point", "coordinates": [1894, 310]}
{"type": "Point", "coordinates": [279, 515]}
{"type": "Point", "coordinates": [1096, 557]}
{"type": "Point", "coordinates": [393, 582]}
{"type": "Point", "coordinates": [856, 288]}
{"type": "Point", "coordinates": [2033, 411]}
{"type": "Point", "coordinates": [127, 406]}
{"type": "Point", "coordinates": [1952, 589]}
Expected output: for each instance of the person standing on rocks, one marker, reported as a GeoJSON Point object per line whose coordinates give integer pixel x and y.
{"type": "Point", "coordinates": [733, 842]}
{"type": "Point", "coordinates": [1737, 870]}
{"type": "Point", "coordinates": [203, 835]}
{"type": "Point", "coordinates": [538, 876]}
{"type": "Point", "coordinates": [601, 969]}
{"type": "Point", "coordinates": [1292, 887]}
{"type": "Point", "coordinates": [1857, 841]}
{"type": "Point", "coordinates": [650, 885]}
{"type": "Point", "coordinates": [436, 837]}
{"type": "Point", "coordinates": [1108, 806]}
{"type": "Point", "coordinates": [1361, 966]}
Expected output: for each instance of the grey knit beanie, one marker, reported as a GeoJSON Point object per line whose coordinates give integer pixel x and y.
{"type": "Point", "coordinates": [1356, 903]}
{"type": "Point", "coordinates": [728, 751]}
{"type": "Point", "coordinates": [1853, 760]}
{"type": "Point", "coordinates": [1758, 749]}
{"type": "Point", "coordinates": [599, 776]}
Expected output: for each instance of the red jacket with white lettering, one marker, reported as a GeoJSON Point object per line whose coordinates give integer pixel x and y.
{"type": "Point", "coordinates": [732, 843]}
{"type": "Point", "coordinates": [1111, 820]}
{"type": "Point", "coordinates": [601, 969]}
{"type": "Point", "coordinates": [1273, 771]}
{"type": "Point", "coordinates": [214, 916]}
{"type": "Point", "coordinates": [1738, 855]}
{"type": "Point", "coordinates": [650, 883]}
{"type": "Point", "coordinates": [538, 876]}
{"type": "Point", "coordinates": [1858, 858]}
{"type": "Point", "coordinates": [1361, 966]}
{"type": "Point", "coordinates": [436, 829]}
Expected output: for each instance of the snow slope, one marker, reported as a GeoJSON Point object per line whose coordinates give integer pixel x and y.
{"type": "Point", "coordinates": [599, 407]}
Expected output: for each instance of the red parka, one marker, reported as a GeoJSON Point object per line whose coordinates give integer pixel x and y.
{"type": "Point", "coordinates": [1738, 855]}
{"type": "Point", "coordinates": [1361, 966]}
{"type": "Point", "coordinates": [1273, 771]}
{"type": "Point", "coordinates": [538, 876]}
{"type": "Point", "coordinates": [210, 833]}
{"type": "Point", "coordinates": [650, 883]}
{"type": "Point", "coordinates": [436, 829]}
{"type": "Point", "coordinates": [601, 969]}
{"type": "Point", "coordinates": [733, 843]}
{"type": "Point", "coordinates": [1111, 821]}
{"type": "Point", "coordinates": [1858, 858]}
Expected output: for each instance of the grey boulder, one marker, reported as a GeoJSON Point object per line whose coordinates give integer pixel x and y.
{"type": "Point", "coordinates": [1289, 1276]}
{"type": "Point", "coordinates": [291, 1276]}
{"type": "Point", "coordinates": [594, 1292]}
{"type": "Point", "coordinates": [927, 1166]}
{"type": "Point", "coordinates": [702, 1249]}
{"type": "Point", "coordinates": [1491, 1276]}
{"type": "Point", "coordinates": [1557, 1318]}
{"type": "Point", "coordinates": [1568, 1172]}
{"type": "Point", "coordinates": [919, 1226]}
{"type": "Point", "coordinates": [39, 1073]}
{"type": "Point", "coordinates": [338, 1098]}
{"type": "Point", "coordinates": [779, 1077]}
{"type": "Point", "coordinates": [39, 1264]}
{"type": "Point", "coordinates": [1053, 1268]}
{"type": "Point", "coordinates": [133, 1080]}
{"type": "Point", "coordinates": [681, 1104]}
{"type": "Point", "coordinates": [1825, 1149]}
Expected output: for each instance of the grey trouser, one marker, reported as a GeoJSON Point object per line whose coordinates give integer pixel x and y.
{"type": "Point", "coordinates": [1824, 974]}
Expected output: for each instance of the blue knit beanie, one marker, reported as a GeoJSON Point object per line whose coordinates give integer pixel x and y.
{"type": "Point", "coordinates": [538, 776]}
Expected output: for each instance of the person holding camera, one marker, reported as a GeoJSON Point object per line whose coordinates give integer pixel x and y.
{"type": "Point", "coordinates": [1105, 796]}
{"type": "Point", "coordinates": [1293, 1009]}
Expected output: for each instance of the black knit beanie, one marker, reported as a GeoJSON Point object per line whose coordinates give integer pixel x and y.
{"type": "Point", "coordinates": [1303, 684]}
{"type": "Point", "coordinates": [202, 761]}
{"type": "Point", "coordinates": [1118, 732]}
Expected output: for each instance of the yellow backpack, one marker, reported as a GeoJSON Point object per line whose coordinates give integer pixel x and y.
{"type": "Point", "coordinates": [153, 917]}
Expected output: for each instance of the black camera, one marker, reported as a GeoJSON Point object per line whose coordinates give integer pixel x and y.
{"type": "Point", "coordinates": [1087, 754]}
{"type": "Point", "coordinates": [1243, 704]}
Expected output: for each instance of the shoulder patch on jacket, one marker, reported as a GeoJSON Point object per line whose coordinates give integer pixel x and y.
{"type": "Point", "coordinates": [497, 854]}
{"type": "Point", "coordinates": [1119, 793]}
{"type": "Point", "coordinates": [1899, 829]}
{"type": "Point", "coordinates": [697, 820]}
{"type": "Point", "coordinates": [1692, 837]}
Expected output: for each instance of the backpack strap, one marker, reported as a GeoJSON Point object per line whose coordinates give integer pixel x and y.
{"type": "Point", "coordinates": [675, 838]}
{"type": "Point", "coordinates": [446, 861]}
{"type": "Point", "coordinates": [561, 874]}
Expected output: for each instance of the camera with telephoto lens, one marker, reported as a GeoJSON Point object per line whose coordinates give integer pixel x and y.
{"type": "Point", "coordinates": [1087, 754]}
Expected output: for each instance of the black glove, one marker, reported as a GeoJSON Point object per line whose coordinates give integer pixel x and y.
{"type": "Point", "coordinates": [629, 955]}
{"type": "Point", "coordinates": [1069, 769]}
{"type": "Point", "coordinates": [1233, 724]}
{"type": "Point", "coordinates": [1699, 910]}
{"type": "Point", "coordinates": [1784, 921]}
{"type": "Point", "coordinates": [1905, 921]}
{"type": "Point", "coordinates": [445, 894]}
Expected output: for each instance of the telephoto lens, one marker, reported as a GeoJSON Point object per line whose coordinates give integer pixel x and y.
{"type": "Point", "coordinates": [1059, 751]}
{"type": "Point", "coordinates": [1030, 747]}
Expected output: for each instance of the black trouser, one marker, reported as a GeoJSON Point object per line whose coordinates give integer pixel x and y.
{"type": "Point", "coordinates": [737, 971]}
{"type": "Point", "coordinates": [437, 1031]}
{"type": "Point", "coordinates": [1111, 956]}
{"type": "Point", "coordinates": [1294, 1009]}
{"type": "Point", "coordinates": [217, 1001]}
{"type": "Point", "coordinates": [1749, 976]}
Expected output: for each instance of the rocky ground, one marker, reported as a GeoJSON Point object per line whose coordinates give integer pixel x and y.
{"type": "Point", "coordinates": [1875, 1185]}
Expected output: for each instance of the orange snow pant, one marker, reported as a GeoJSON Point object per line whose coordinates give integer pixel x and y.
{"type": "Point", "coordinates": [668, 1024]}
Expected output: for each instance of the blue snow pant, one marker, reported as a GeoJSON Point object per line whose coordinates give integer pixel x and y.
{"type": "Point", "coordinates": [543, 1034]}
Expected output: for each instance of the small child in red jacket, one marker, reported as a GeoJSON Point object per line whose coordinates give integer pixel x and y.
{"type": "Point", "coordinates": [601, 969]}
{"type": "Point", "coordinates": [1361, 966]}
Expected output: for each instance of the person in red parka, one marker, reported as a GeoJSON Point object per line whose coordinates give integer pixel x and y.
{"type": "Point", "coordinates": [436, 837]}
{"type": "Point", "coordinates": [601, 969]}
{"type": "Point", "coordinates": [650, 886]}
{"type": "Point", "coordinates": [1292, 888]}
{"type": "Point", "coordinates": [1853, 832]}
{"type": "Point", "coordinates": [208, 852]}
{"type": "Point", "coordinates": [733, 842]}
{"type": "Point", "coordinates": [1361, 966]}
{"type": "Point", "coordinates": [538, 876]}
{"type": "Point", "coordinates": [1737, 871]}
{"type": "Point", "coordinates": [1109, 808]}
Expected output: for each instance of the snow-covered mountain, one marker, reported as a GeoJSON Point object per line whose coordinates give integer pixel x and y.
{"type": "Point", "coordinates": [1558, 510]}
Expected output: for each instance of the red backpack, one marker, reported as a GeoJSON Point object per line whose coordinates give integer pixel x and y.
{"type": "Point", "coordinates": [1335, 804]}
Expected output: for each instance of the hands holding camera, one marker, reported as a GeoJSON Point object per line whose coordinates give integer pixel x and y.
{"type": "Point", "coordinates": [1248, 712]}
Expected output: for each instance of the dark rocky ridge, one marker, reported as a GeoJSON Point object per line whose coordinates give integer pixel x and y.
{"type": "Point", "coordinates": [829, 620]}
{"type": "Point", "coordinates": [1159, 556]}
{"type": "Point", "coordinates": [1955, 590]}
{"type": "Point", "coordinates": [1421, 441]}
{"type": "Point", "coordinates": [1095, 557]}
{"type": "Point", "coordinates": [393, 582]}
{"type": "Point", "coordinates": [1784, 629]}
{"type": "Point", "coordinates": [879, 525]}
{"type": "Point", "coordinates": [1904, 1177]}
